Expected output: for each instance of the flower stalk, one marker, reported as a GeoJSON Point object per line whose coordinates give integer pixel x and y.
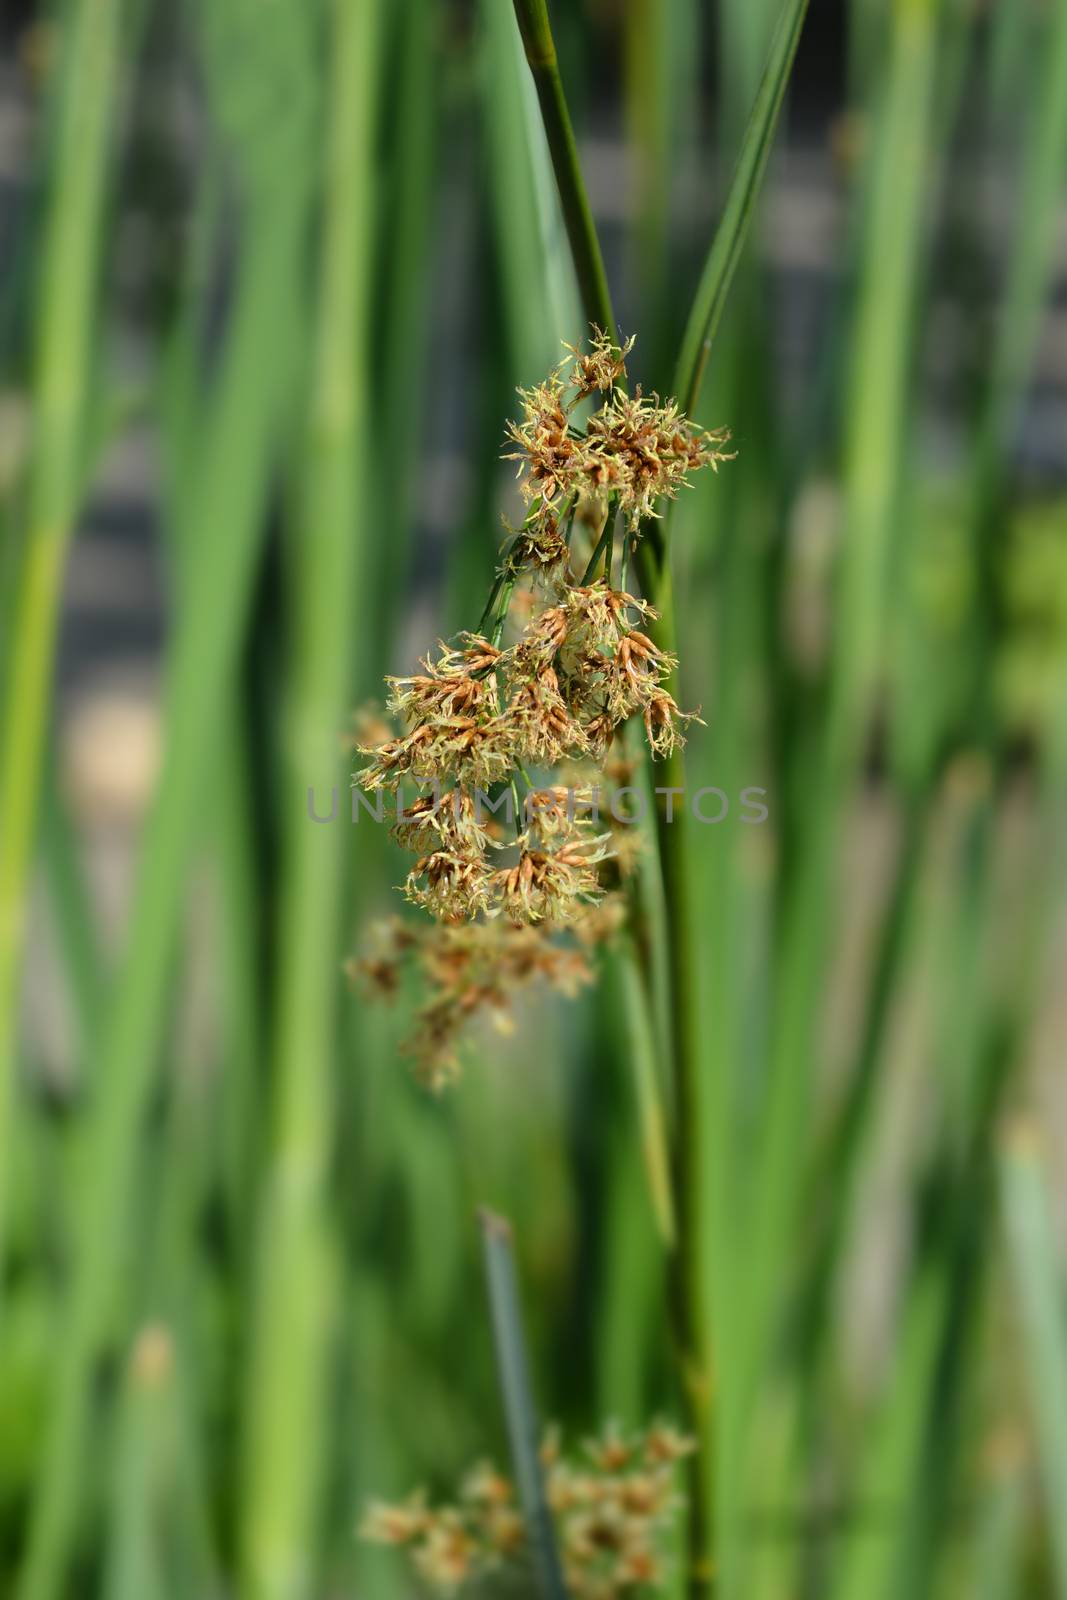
{"type": "Point", "coordinates": [688, 1268]}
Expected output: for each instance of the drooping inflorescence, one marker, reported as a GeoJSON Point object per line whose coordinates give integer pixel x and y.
{"type": "Point", "coordinates": [483, 728]}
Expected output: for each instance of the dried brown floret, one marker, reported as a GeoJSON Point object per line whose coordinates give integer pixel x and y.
{"type": "Point", "coordinates": [459, 683]}
{"type": "Point", "coordinates": [546, 731]}
{"type": "Point", "coordinates": [551, 885]}
{"type": "Point", "coordinates": [646, 450]}
{"type": "Point", "coordinates": [450, 884]}
{"type": "Point", "coordinates": [664, 722]}
{"type": "Point", "coordinates": [452, 820]}
{"type": "Point", "coordinates": [602, 367]}
{"type": "Point", "coordinates": [476, 753]}
{"type": "Point", "coordinates": [633, 446]}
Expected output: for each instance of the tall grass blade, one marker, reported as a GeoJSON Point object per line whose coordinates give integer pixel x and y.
{"type": "Point", "coordinates": [745, 185]}
{"type": "Point", "coordinates": [536, 32]}
{"type": "Point", "coordinates": [874, 444]}
{"type": "Point", "coordinates": [1039, 1284]}
{"type": "Point", "coordinates": [537, 279]}
{"type": "Point", "coordinates": [1032, 260]}
{"type": "Point", "coordinates": [86, 105]}
{"type": "Point", "coordinates": [996, 1565]}
{"type": "Point", "coordinates": [77, 936]}
{"type": "Point", "coordinates": [225, 520]}
{"type": "Point", "coordinates": [652, 1116]}
{"type": "Point", "coordinates": [295, 1313]}
{"type": "Point", "coordinates": [872, 1549]}
{"type": "Point", "coordinates": [513, 1370]}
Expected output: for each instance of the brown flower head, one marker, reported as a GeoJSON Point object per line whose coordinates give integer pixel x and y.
{"type": "Point", "coordinates": [450, 820]}
{"type": "Point", "coordinates": [612, 1522]}
{"type": "Point", "coordinates": [450, 885]}
{"type": "Point", "coordinates": [600, 368]}
{"type": "Point", "coordinates": [551, 885]}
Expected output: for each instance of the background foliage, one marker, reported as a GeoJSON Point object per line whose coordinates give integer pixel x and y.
{"type": "Point", "coordinates": [272, 269]}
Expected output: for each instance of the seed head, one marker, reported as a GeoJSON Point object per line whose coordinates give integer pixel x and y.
{"type": "Point", "coordinates": [612, 1518]}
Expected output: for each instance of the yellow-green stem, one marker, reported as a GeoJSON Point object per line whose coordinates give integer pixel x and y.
{"type": "Point", "coordinates": [60, 384]}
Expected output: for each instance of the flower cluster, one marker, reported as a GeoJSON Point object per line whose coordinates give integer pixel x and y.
{"type": "Point", "coordinates": [486, 725]}
{"type": "Point", "coordinates": [612, 1510]}
{"type": "Point", "coordinates": [633, 447]}
{"type": "Point", "coordinates": [479, 716]}
{"type": "Point", "coordinates": [473, 972]}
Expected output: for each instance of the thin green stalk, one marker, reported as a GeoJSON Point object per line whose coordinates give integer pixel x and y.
{"type": "Point", "coordinates": [519, 1409]}
{"type": "Point", "coordinates": [867, 1561]}
{"type": "Point", "coordinates": [136, 1566]}
{"type": "Point", "coordinates": [87, 99]}
{"type": "Point", "coordinates": [241, 1114]}
{"type": "Point", "coordinates": [995, 1568]}
{"type": "Point", "coordinates": [537, 289]}
{"type": "Point", "coordinates": [159, 1542]}
{"type": "Point", "coordinates": [732, 231]}
{"type": "Point", "coordinates": [600, 549]}
{"type": "Point", "coordinates": [410, 218]}
{"type": "Point", "coordinates": [502, 577]}
{"type": "Point", "coordinates": [536, 31]}
{"type": "Point", "coordinates": [655, 1144]}
{"type": "Point", "coordinates": [688, 1267]}
{"type": "Point", "coordinates": [1039, 1288]}
{"type": "Point", "coordinates": [295, 1313]}
{"type": "Point", "coordinates": [506, 593]}
{"type": "Point", "coordinates": [689, 1275]}
{"type": "Point", "coordinates": [839, 1163]}
{"type": "Point", "coordinates": [76, 933]}
{"type": "Point", "coordinates": [691, 1282]}
{"type": "Point", "coordinates": [1033, 255]}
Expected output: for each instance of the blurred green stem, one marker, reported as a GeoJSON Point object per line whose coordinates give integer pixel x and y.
{"type": "Point", "coordinates": [655, 1144]}
{"type": "Point", "coordinates": [296, 1305]}
{"type": "Point", "coordinates": [88, 83]}
{"type": "Point", "coordinates": [1038, 1288]}
{"type": "Point", "coordinates": [874, 436]}
{"type": "Point", "coordinates": [517, 1392]}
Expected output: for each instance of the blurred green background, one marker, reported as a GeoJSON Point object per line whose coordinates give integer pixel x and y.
{"type": "Point", "coordinates": [271, 272]}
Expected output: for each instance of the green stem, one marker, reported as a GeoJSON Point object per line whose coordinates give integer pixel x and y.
{"type": "Point", "coordinates": [287, 1414]}
{"type": "Point", "coordinates": [689, 1285]}
{"type": "Point", "coordinates": [732, 231]}
{"type": "Point", "coordinates": [609, 552]}
{"type": "Point", "coordinates": [602, 544]}
{"type": "Point", "coordinates": [536, 30]}
{"type": "Point", "coordinates": [505, 604]}
{"type": "Point", "coordinates": [501, 578]}
{"type": "Point", "coordinates": [1035, 1265]}
{"type": "Point", "coordinates": [515, 1386]}
{"type": "Point", "coordinates": [87, 102]}
{"type": "Point", "coordinates": [688, 1263]}
{"type": "Point", "coordinates": [651, 1115]}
